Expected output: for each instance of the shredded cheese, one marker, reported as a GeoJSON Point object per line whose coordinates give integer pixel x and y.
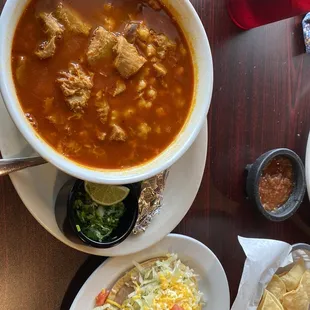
{"type": "Point", "coordinates": [114, 303]}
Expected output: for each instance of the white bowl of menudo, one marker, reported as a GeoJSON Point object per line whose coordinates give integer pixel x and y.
{"type": "Point", "coordinates": [107, 91]}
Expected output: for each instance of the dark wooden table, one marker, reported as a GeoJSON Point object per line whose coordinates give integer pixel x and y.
{"type": "Point", "coordinates": [261, 101]}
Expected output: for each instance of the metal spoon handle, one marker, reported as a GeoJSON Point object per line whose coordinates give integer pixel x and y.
{"type": "Point", "coordinates": [8, 166]}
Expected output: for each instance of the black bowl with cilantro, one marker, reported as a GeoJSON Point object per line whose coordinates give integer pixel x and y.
{"type": "Point", "coordinates": [102, 226]}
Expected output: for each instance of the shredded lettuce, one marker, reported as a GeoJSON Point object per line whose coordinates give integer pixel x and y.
{"type": "Point", "coordinates": [167, 283]}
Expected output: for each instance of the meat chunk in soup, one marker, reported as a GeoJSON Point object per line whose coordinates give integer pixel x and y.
{"type": "Point", "coordinates": [51, 25]}
{"type": "Point", "coordinates": [163, 41]}
{"type": "Point", "coordinates": [46, 49]}
{"type": "Point", "coordinates": [76, 86]}
{"type": "Point", "coordinates": [163, 44]}
{"type": "Point", "coordinates": [72, 20]}
{"type": "Point", "coordinates": [102, 108]}
{"type": "Point", "coordinates": [120, 87]}
{"type": "Point", "coordinates": [54, 30]}
{"type": "Point", "coordinates": [118, 134]}
{"type": "Point", "coordinates": [152, 43]}
{"type": "Point", "coordinates": [128, 61]}
{"type": "Point", "coordinates": [101, 45]}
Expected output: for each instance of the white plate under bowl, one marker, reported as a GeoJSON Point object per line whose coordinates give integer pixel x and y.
{"type": "Point", "coordinates": [38, 188]}
{"type": "Point", "coordinates": [212, 279]}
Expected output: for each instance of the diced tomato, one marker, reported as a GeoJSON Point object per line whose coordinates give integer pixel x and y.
{"type": "Point", "coordinates": [102, 297]}
{"type": "Point", "coordinates": [176, 307]}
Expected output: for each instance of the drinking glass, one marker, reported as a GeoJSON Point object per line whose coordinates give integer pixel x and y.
{"type": "Point", "coordinates": [248, 14]}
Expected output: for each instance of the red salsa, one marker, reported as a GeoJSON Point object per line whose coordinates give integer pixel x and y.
{"type": "Point", "coordinates": [276, 183]}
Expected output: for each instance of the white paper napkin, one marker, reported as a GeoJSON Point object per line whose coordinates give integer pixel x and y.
{"type": "Point", "coordinates": [263, 258]}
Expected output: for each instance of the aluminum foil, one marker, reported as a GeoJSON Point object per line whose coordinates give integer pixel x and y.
{"type": "Point", "coordinates": [150, 200]}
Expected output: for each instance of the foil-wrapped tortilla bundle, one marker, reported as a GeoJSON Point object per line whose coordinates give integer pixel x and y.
{"type": "Point", "coordinates": [150, 200]}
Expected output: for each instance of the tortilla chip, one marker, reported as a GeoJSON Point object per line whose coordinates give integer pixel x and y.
{"type": "Point", "coordinates": [277, 287]}
{"type": "Point", "coordinates": [269, 302]}
{"type": "Point", "coordinates": [293, 277]}
{"type": "Point", "coordinates": [305, 282]}
{"type": "Point", "coordinates": [282, 274]}
{"type": "Point", "coordinates": [296, 299]}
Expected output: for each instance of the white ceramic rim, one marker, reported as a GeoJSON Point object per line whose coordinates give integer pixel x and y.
{"type": "Point", "coordinates": [172, 238]}
{"type": "Point", "coordinates": [166, 158]}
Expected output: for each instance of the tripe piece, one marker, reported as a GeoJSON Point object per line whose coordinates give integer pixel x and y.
{"type": "Point", "coordinates": [128, 61]}
{"type": "Point", "coordinates": [101, 45]}
{"type": "Point", "coordinates": [76, 86]}
{"type": "Point", "coordinates": [72, 20]}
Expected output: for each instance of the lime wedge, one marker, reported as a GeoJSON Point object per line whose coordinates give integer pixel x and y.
{"type": "Point", "coordinates": [106, 195]}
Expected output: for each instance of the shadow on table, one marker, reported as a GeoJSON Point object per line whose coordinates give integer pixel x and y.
{"type": "Point", "coordinates": [79, 279]}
